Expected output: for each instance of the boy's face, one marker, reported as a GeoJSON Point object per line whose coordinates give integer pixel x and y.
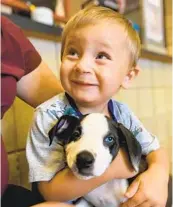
{"type": "Point", "coordinates": [95, 63]}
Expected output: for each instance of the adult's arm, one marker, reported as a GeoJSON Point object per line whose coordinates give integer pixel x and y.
{"type": "Point", "coordinates": [38, 85]}
{"type": "Point", "coordinates": [67, 9]}
{"type": "Point", "coordinates": [65, 18]}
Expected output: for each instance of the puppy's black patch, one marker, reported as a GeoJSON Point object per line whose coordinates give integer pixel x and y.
{"type": "Point", "coordinates": [124, 138]}
{"type": "Point", "coordinates": [114, 148]}
{"type": "Point", "coordinates": [67, 129]}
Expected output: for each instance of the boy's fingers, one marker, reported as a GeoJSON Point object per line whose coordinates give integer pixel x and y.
{"type": "Point", "coordinates": [136, 200]}
{"type": "Point", "coordinates": [132, 189]}
{"type": "Point", "coordinates": [145, 204]}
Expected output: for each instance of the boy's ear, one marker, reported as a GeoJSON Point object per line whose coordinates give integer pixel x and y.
{"type": "Point", "coordinates": [130, 76]}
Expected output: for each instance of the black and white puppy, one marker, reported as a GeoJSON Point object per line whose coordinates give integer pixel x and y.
{"type": "Point", "coordinates": [91, 144]}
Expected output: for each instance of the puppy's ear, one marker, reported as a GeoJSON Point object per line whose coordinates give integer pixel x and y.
{"type": "Point", "coordinates": [134, 150]}
{"type": "Point", "coordinates": [63, 129]}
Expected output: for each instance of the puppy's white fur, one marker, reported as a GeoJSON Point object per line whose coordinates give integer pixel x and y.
{"type": "Point", "coordinates": [94, 128]}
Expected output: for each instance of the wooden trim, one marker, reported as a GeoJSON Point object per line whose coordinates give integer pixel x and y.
{"type": "Point", "coordinates": [16, 151]}
{"type": "Point", "coordinates": [155, 56]}
{"type": "Point", "coordinates": [43, 36]}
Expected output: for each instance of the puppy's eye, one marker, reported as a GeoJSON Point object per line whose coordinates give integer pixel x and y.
{"type": "Point", "coordinates": [77, 133]}
{"type": "Point", "coordinates": [109, 140]}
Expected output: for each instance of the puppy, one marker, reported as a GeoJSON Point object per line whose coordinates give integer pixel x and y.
{"type": "Point", "coordinates": [91, 144]}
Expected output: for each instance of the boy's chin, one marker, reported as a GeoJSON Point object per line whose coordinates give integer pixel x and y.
{"type": "Point", "coordinates": [89, 99]}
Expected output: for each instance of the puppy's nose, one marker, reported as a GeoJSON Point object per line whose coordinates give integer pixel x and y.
{"type": "Point", "coordinates": [84, 160]}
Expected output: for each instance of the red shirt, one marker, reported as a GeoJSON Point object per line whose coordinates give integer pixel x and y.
{"type": "Point", "coordinates": [18, 58]}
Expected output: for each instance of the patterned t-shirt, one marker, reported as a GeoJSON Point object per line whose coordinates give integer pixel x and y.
{"type": "Point", "coordinates": [45, 161]}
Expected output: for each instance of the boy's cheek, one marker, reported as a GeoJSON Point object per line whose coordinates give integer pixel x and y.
{"type": "Point", "coordinates": [67, 65]}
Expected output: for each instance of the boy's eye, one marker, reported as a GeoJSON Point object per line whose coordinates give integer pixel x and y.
{"type": "Point", "coordinates": [72, 52]}
{"type": "Point", "coordinates": [103, 55]}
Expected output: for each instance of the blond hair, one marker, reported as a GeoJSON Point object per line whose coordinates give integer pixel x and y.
{"type": "Point", "coordinates": [94, 14]}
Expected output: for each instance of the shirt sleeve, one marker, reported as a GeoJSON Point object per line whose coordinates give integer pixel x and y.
{"type": "Point", "coordinates": [148, 141]}
{"type": "Point", "coordinates": [26, 56]}
{"type": "Point", "coordinates": [32, 59]}
{"type": "Point", "coordinates": [44, 160]}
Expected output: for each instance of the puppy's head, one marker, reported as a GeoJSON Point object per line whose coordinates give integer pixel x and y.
{"type": "Point", "coordinates": [91, 143]}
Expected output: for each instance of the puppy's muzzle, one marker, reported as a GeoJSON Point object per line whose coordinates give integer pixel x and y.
{"type": "Point", "coordinates": [84, 162]}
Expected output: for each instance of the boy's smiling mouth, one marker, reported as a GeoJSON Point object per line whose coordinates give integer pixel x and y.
{"type": "Point", "coordinates": [83, 83]}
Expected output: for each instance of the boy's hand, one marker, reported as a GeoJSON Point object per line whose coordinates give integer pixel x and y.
{"type": "Point", "coordinates": [149, 189]}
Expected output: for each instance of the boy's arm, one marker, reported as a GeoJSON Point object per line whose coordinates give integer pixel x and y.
{"type": "Point", "coordinates": [65, 186]}
{"type": "Point", "coordinates": [159, 160]}
{"type": "Point", "coordinates": [151, 187]}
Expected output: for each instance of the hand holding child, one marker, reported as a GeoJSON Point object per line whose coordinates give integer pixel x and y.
{"type": "Point", "coordinates": [149, 189]}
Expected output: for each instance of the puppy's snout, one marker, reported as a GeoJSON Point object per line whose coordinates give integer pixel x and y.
{"type": "Point", "coordinates": [84, 160]}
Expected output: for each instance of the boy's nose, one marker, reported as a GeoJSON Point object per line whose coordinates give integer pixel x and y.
{"type": "Point", "coordinates": [84, 66]}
